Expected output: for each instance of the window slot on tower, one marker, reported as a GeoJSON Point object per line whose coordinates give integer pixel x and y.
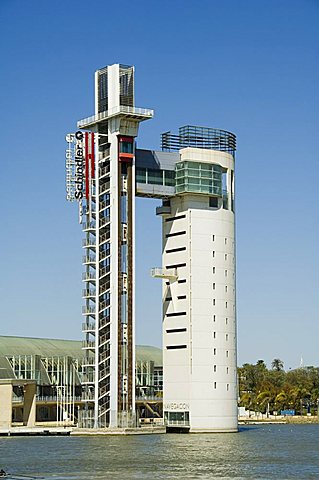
{"type": "Point", "coordinates": [176, 314]}
{"type": "Point", "coordinates": [175, 347]}
{"type": "Point", "coordinates": [176, 234]}
{"type": "Point", "coordinates": [173, 250]}
{"type": "Point", "coordinates": [178, 217]}
{"type": "Point", "coordinates": [176, 330]}
{"type": "Point", "coordinates": [182, 281]}
{"type": "Point", "coordinates": [176, 265]}
{"type": "Point", "coordinates": [181, 297]}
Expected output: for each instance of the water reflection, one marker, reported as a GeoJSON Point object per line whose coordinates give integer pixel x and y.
{"type": "Point", "coordinates": [267, 452]}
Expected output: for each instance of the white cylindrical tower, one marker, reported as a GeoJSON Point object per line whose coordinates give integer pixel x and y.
{"type": "Point", "coordinates": [199, 318]}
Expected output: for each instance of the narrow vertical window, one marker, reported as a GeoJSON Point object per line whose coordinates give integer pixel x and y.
{"type": "Point", "coordinates": [225, 273]}
{"type": "Point", "coordinates": [226, 321]}
{"type": "Point", "coordinates": [227, 387]}
{"type": "Point", "coordinates": [214, 301]}
{"type": "Point", "coordinates": [225, 256]}
{"type": "Point", "coordinates": [214, 335]}
{"type": "Point", "coordinates": [226, 304]}
{"type": "Point", "coordinates": [214, 286]}
{"type": "Point", "coordinates": [213, 253]}
{"type": "Point", "coordinates": [226, 336]}
{"type": "Point", "coordinates": [227, 353]}
{"type": "Point", "coordinates": [214, 351]}
{"type": "Point", "coordinates": [225, 288]}
{"type": "Point", "coordinates": [214, 318]}
{"type": "Point", "coordinates": [214, 269]}
{"type": "Point", "coordinates": [225, 241]}
{"type": "Point", "coordinates": [215, 368]}
{"type": "Point", "coordinates": [227, 369]}
{"type": "Point", "coordinates": [215, 384]}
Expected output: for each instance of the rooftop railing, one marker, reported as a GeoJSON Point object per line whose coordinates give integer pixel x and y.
{"type": "Point", "coordinates": [119, 110]}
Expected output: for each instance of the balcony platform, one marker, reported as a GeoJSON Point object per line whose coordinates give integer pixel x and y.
{"type": "Point", "coordinates": [122, 111]}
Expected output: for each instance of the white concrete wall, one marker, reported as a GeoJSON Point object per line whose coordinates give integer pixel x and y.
{"type": "Point", "coordinates": [203, 376]}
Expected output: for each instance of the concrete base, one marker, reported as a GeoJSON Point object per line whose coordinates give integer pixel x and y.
{"type": "Point", "coordinates": [119, 431]}
{"type": "Point", "coordinates": [25, 431]}
{"type": "Point", "coordinates": [217, 430]}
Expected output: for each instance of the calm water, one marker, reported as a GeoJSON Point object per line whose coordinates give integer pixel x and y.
{"type": "Point", "coordinates": [268, 452]}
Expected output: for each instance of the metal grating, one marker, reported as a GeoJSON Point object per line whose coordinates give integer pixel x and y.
{"type": "Point", "coordinates": [199, 137]}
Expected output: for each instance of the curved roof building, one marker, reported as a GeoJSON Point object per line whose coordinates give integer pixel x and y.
{"type": "Point", "coordinates": [47, 347]}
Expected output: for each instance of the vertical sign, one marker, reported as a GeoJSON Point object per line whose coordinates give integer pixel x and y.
{"type": "Point", "coordinates": [74, 164]}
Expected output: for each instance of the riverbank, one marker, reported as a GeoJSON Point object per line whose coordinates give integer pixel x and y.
{"type": "Point", "coordinates": [293, 419]}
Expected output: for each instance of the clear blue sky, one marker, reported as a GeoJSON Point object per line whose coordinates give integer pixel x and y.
{"type": "Point", "coordinates": [250, 67]}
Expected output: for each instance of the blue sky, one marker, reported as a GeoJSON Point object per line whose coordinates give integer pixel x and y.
{"type": "Point", "coordinates": [250, 67]}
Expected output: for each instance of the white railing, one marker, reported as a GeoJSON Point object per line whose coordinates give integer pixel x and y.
{"type": "Point", "coordinates": [88, 226]}
{"type": "Point", "coordinates": [169, 273]}
{"type": "Point", "coordinates": [88, 362]}
{"type": "Point", "coordinates": [179, 423]}
{"type": "Point", "coordinates": [149, 398]}
{"type": "Point", "coordinates": [88, 259]}
{"type": "Point", "coordinates": [88, 292]}
{"type": "Point", "coordinates": [86, 310]}
{"type": "Point", "coordinates": [88, 276]}
{"type": "Point", "coordinates": [122, 109]}
{"type": "Point", "coordinates": [88, 242]}
{"type": "Point", "coordinates": [88, 326]}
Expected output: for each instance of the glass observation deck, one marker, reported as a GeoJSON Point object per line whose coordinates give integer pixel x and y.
{"type": "Point", "coordinates": [188, 177]}
{"type": "Point", "coordinates": [198, 177]}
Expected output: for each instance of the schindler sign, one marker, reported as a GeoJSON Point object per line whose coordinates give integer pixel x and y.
{"type": "Point", "coordinates": [74, 156]}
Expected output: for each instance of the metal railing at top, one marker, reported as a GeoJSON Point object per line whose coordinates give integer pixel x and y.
{"type": "Point", "coordinates": [148, 398]}
{"type": "Point", "coordinates": [121, 109]}
{"type": "Point", "coordinates": [46, 398]}
{"type": "Point", "coordinates": [180, 423]}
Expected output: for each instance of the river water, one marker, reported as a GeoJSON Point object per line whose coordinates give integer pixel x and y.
{"type": "Point", "coordinates": [264, 451]}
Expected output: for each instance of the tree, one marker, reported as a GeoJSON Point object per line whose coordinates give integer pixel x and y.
{"type": "Point", "coordinates": [277, 364]}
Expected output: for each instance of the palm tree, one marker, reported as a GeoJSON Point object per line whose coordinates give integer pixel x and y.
{"type": "Point", "coordinates": [277, 365]}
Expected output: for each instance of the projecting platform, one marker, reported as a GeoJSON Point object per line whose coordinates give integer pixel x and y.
{"type": "Point", "coordinates": [135, 113]}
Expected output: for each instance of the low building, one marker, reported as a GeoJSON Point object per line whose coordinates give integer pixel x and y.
{"type": "Point", "coordinates": [55, 366]}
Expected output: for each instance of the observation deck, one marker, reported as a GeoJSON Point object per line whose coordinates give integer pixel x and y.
{"type": "Point", "coordinates": [135, 113]}
{"type": "Point", "coordinates": [199, 137]}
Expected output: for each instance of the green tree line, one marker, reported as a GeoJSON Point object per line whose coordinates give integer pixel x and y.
{"type": "Point", "coordinates": [272, 390]}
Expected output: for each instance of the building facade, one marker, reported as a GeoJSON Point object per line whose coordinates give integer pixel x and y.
{"type": "Point", "coordinates": [193, 175]}
{"type": "Point", "coordinates": [55, 369]}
